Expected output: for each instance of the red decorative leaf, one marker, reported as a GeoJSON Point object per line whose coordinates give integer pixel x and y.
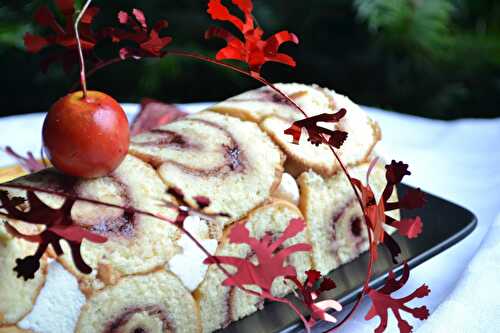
{"type": "Point", "coordinates": [44, 17]}
{"type": "Point", "coordinates": [34, 43]}
{"type": "Point", "coordinates": [395, 172]}
{"type": "Point", "coordinates": [59, 225]}
{"type": "Point", "coordinates": [75, 233]}
{"type": "Point", "coordinates": [176, 193]}
{"type": "Point", "coordinates": [382, 302]}
{"type": "Point", "coordinates": [327, 284]}
{"type": "Point", "coordinates": [28, 163]}
{"type": "Point", "coordinates": [63, 37]}
{"type": "Point", "coordinates": [271, 261]}
{"type": "Point", "coordinates": [313, 276]}
{"type": "Point", "coordinates": [89, 15]}
{"type": "Point", "coordinates": [154, 114]}
{"type": "Point", "coordinates": [122, 17]}
{"type": "Point", "coordinates": [410, 228]}
{"type": "Point", "coordinates": [139, 16]}
{"type": "Point", "coordinates": [65, 6]}
{"type": "Point", "coordinates": [309, 292]}
{"type": "Point", "coordinates": [252, 50]}
{"type": "Point", "coordinates": [202, 201]}
{"type": "Point", "coordinates": [412, 199]}
{"type": "Point", "coordinates": [318, 134]}
{"type": "Point", "coordinates": [375, 211]}
{"type": "Point", "coordinates": [148, 43]}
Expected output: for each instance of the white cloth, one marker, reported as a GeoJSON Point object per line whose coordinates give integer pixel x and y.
{"type": "Point", "coordinates": [457, 160]}
{"type": "Point", "coordinates": [473, 306]}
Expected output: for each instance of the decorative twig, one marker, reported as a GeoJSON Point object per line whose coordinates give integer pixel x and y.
{"type": "Point", "coordinates": [83, 80]}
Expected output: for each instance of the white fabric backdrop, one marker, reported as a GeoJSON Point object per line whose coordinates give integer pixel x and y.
{"type": "Point", "coordinates": [459, 161]}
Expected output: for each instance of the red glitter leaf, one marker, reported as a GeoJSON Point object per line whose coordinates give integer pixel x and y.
{"type": "Point", "coordinates": [375, 212]}
{"type": "Point", "coordinates": [309, 292]}
{"type": "Point", "coordinates": [59, 225]}
{"type": "Point", "coordinates": [395, 172]}
{"type": "Point", "coordinates": [313, 276]}
{"type": "Point", "coordinates": [149, 43]}
{"type": "Point", "coordinates": [410, 228]}
{"type": "Point", "coordinates": [382, 302]}
{"type": "Point", "coordinates": [154, 114]}
{"type": "Point", "coordinates": [139, 16]}
{"type": "Point", "coordinates": [34, 43]}
{"type": "Point", "coordinates": [183, 207]}
{"type": "Point", "coordinates": [28, 163]}
{"type": "Point", "coordinates": [65, 6]}
{"type": "Point", "coordinates": [181, 217]}
{"type": "Point", "coordinates": [271, 261]}
{"type": "Point", "coordinates": [63, 37]}
{"type": "Point", "coordinates": [75, 233]}
{"type": "Point", "coordinates": [44, 17]}
{"type": "Point", "coordinates": [412, 199]}
{"type": "Point", "coordinates": [122, 17]}
{"type": "Point", "coordinates": [88, 16]}
{"type": "Point", "coordinates": [327, 284]}
{"type": "Point", "coordinates": [177, 193]}
{"type": "Point", "coordinates": [252, 50]}
{"type": "Point", "coordinates": [318, 134]}
{"type": "Point", "coordinates": [202, 201]}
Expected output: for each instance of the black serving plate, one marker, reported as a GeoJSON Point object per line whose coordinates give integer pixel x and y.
{"type": "Point", "coordinates": [445, 224]}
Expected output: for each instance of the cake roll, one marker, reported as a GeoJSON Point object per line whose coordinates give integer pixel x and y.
{"type": "Point", "coordinates": [149, 276]}
{"type": "Point", "coordinates": [274, 115]}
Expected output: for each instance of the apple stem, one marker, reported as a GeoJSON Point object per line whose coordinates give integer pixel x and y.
{"type": "Point", "coordinates": [80, 51]}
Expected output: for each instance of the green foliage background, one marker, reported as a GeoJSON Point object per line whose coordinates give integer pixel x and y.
{"type": "Point", "coordinates": [434, 58]}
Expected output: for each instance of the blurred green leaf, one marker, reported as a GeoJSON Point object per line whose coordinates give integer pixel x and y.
{"type": "Point", "coordinates": [435, 58]}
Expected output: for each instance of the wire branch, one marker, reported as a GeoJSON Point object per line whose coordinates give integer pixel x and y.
{"type": "Point", "coordinates": [80, 51]}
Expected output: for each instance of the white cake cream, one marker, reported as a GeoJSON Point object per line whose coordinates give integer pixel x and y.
{"type": "Point", "coordinates": [149, 276]}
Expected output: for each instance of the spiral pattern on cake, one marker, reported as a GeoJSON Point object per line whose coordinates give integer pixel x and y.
{"type": "Point", "coordinates": [229, 161]}
{"type": "Point", "coordinates": [151, 303]}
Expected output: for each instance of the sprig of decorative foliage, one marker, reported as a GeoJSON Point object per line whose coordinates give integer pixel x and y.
{"type": "Point", "coordinates": [252, 50]}
{"type": "Point", "coordinates": [382, 302]}
{"type": "Point", "coordinates": [271, 260]}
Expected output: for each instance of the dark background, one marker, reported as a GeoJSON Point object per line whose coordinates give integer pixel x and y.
{"type": "Point", "coordinates": [433, 58]}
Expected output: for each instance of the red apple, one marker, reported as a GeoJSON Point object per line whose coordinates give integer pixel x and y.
{"type": "Point", "coordinates": [86, 136]}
